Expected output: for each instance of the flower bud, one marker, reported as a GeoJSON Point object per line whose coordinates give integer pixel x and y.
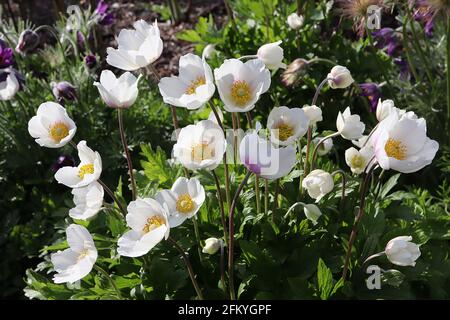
{"type": "Point", "coordinates": [63, 91]}
{"type": "Point", "coordinates": [90, 61]}
{"type": "Point", "coordinates": [212, 245]}
{"type": "Point", "coordinates": [402, 252]}
{"type": "Point", "coordinates": [6, 55]}
{"type": "Point", "coordinates": [272, 55]}
{"type": "Point", "coordinates": [295, 21]}
{"type": "Point", "coordinates": [339, 78]}
{"type": "Point", "coordinates": [318, 183]}
{"type": "Point", "coordinates": [312, 213]}
{"type": "Point", "coordinates": [294, 71]}
{"type": "Point", "coordinates": [324, 147]}
{"type": "Point", "coordinates": [28, 40]}
{"type": "Point", "coordinates": [314, 113]}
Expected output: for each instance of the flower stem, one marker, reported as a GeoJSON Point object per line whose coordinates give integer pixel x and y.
{"type": "Point", "coordinates": [127, 153]}
{"type": "Point", "coordinates": [222, 266]}
{"type": "Point", "coordinates": [344, 179]}
{"type": "Point", "coordinates": [189, 267]}
{"type": "Point", "coordinates": [111, 194]}
{"type": "Point", "coordinates": [110, 279]}
{"type": "Point", "coordinates": [448, 74]}
{"type": "Point", "coordinates": [266, 197]}
{"type": "Point", "coordinates": [231, 235]}
{"type": "Point", "coordinates": [222, 211]}
{"type": "Point", "coordinates": [316, 148]}
{"type": "Point", "coordinates": [197, 237]}
{"type": "Point", "coordinates": [362, 202]}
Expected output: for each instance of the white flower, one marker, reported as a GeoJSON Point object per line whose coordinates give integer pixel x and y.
{"type": "Point", "coordinates": [358, 160]}
{"type": "Point", "coordinates": [240, 84]}
{"type": "Point", "coordinates": [401, 143]}
{"type": "Point", "coordinates": [324, 147]}
{"type": "Point", "coordinates": [287, 125]}
{"type": "Point", "coordinates": [183, 200]}
{"type": "Point", "coordinates": [263, 159]}
{"type": "Point", "coordinates": [339, 78]}
{"type": "Point", "coordinates": [361, 142]}
{"type": "Point", "coordinates": [386, 108]}
{"type": "Point", "coordinates": [314, 114]}
{"type": "Point", "coordinates": [402, 252]}
{"type": "Point", "coordinates": [51, 126]}
{"type": "Point", "coordinates": [149, 225]}
{"type": "Point", "coordinates": [192, 88]}
{"type": "Point", "coordinates": [272, 55]}
{"type": "Point", "coordinates": [295, 21]}
{"type": "Point", "coordinates": [200, 146]}
{"type": "Point", "coordinates": [118, 92]}
{"type": "Point", "coordinates": [136, 48]}
{"type": "Point", "coordinates": [349, 125]}
{"type": "Point", "coordinates": [209, 51]}
{"type": "Point", "coordinates": [75, 263]}
{"type": "Point", "coordinates": [88, 201]}
{"type": "Point", "coordinates": [318, 183]}
{"type": "Point", "coordinates": [213, 118]}
{"type": "Point", "coordinates": [86, 172]}
{"type": "Point", "coordinates": [9, 87]}
{"type": "Point", "coordinates": [312, 212]}
{"type": "Point", "coordinates": [212, 245]}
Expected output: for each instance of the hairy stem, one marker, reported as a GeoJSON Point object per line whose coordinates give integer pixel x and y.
{"type": "Point", "coordinates": [127, 154]}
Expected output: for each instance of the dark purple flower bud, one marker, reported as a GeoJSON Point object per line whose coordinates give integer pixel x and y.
{"type": "Point", "coordinates": [372, 92]}
{"type": "Point", "coordinates": [28, 41]}
{"type": "Point", "coordinates": [63, 91]}
{"type": "Point", "coordinates": [6, 55]}
{"type": "Point", "coordinates": [64, 160]}
{"type": "Point", "coordinates": [106, 18]}
{"type": "Point", "coordinates": [90, 60]}
{"type": "Point", "coordinates": [405, 73]}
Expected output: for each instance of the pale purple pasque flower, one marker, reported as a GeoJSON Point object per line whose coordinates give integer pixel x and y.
{"type": "Point", "coordinates": [63, 91]}
{"type": "Point", "coordinates": [7, 71]}
{"type": "Point", "coordinates": [28, 41]}
{"type": "Point", "coordinates": [106, 18]}
{"type": "Point", "coordinates": [64, 160]}
{"type": "Point", "coordinates": [90, 61]}
{"type": "Point", "coordinates": [6, 55]}
{"type": "Point", "coordinates": [426, 11]}
{"type": "Point", "coordinates": [372, 92]}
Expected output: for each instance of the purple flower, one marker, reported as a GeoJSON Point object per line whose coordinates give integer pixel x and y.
{"type": "Point", "coordinates": [64, 160]}
{"type": "Point", "coordinates": [106, 18]}
{"type": "Point", "coordinates": [63, 91]}
{"type": "Point", "coordinates": [80, 41]}
{"type": "Point", "coordinates": [20, 78]}
{"type": "Point", "coordinates": [425, 14]}
{"type": "Point", "coordinates": [6, 55]}
{"type": "Point", "coordinates": [253, 167]}
{"type": "Point", "coordinates": [372, 92]}
{"type": "Point", "coordinates": [90, 60]}
{"type": "Point", "coordinates": [405, 73]}
{"type": "Point", "coordinates": [28, 40]}
{"type": "Point", "coordinates": [387, 38]}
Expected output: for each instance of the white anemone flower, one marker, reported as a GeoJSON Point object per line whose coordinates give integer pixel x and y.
{"type": "Point", "coordinates": [358, 160]}
{"type": "Point", "coordinates": [272, 55]}
{"type": "Point", "coordinates": [263, 159]}
{"type": "Point", "coordinates": [401, 143]}
{"type": "Point", "coordinates": [200, 146]}
{"type": "Point", "coordinates": [287, 125]}
{"type": "Point", "coordinates": [349, 125]}
{"type": "Point", "coordinates": [295, 21]}
{"type": "Point", "coordinates": [241, 84]}
{"type": "Point", "coordinates": [183, 200]}
{"type": "Point", "coordinates": [51, 126]}
{"type": "Point", "coordinates": [339, 78]}
{"type": "Point", "coordinates": [119, 92]}
{"type": "Point", "coordinates": [192, 88]}
{"type": "Point", "coordinates": [314, 113]}
{"type": "Point", "coordinates": [149, 225]}
{"type": "Point", "coordinates": [136, 48]}
{"type": "Point", "coordinates": [402, 252]}
{"type": "Point", "coordinates": [86, 172]}
{"type": "Point", "coordinates": [318, 183]}
{"type": "Point", "coordinates": [212, 245]}
{"type": "Point", "coordinates": [77, 261]}
{"type": "Point", "coordinates": [88, 201]}
{"type": "Point", "coordinates": [9, 87]}
{"type": "Point", "coordinates": [324, 147]}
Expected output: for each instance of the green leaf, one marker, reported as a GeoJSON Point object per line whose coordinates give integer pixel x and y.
{"type": "Point", "coordinates": [389, 185]}
{"type": "Point", "coordinates": [155, 166]}
{"type": "Point", "coordinates": [324, 280]}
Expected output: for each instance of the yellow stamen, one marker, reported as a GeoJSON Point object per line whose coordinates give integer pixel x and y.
{"type": "Point", "coordinates": [153, 223]}
{"type": "Point", "coordinates": [284, 131]}
{"type": "Point", "coordinates": [83, 254]}
{"type": "Point", "coordinates": [357, 161]}
{"type": "Point", "coordinates": [241, 93]}
{"type": "Point", "coordinates": [199, 81]}
{"type": "Point", "coordinates": [86, 169]}
{"type": "Point", "coordinates": [395, 149]}
{"type": "Point", "coordinates": [185, 203]}
{"type": "Point", "coordinates": [59, 131]}
{"type": "Point", "coordinates": [201, 151]}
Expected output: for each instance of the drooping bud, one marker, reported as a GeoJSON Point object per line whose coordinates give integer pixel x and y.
{"type": "Point", "coordinates": [294, 71]}
{"type": "Point", "coordinates": [63, 91]}
{"type": "Point", "coordinates": [28, 41]}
